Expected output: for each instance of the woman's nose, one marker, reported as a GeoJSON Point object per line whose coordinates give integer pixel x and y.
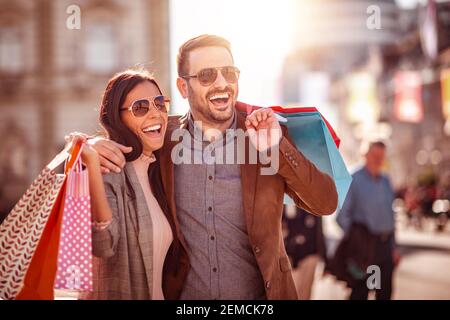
{"type": "Point", "coordinates": [153, 112]}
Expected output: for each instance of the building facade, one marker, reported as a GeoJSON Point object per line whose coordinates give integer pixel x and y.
{"type": "Point", "coordinates": [55, 61]}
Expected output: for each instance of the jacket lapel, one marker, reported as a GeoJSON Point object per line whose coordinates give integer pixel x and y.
{"type": "Point", "coordinates": [143, 237]}
{"type": "Point", "coordinates": [248, 178]}
{"type": "Point", "coordinates": [167, 170]}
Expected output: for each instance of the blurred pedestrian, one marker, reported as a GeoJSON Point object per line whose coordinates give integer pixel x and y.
{"type": "Point", "coordinates": [368, 222]}
{"type": "Point", "coordinates": [305, 246]}
{"type": "Point", "coordinates": [412, 207]}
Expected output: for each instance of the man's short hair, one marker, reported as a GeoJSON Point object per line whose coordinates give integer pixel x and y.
{"type": "Point", "coordinates": [205, 40]}
{"type": "Point", "coordinates": [379, 144]}
{"type": "Point", "coordinates": [368, 145]}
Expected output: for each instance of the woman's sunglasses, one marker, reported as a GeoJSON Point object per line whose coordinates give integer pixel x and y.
{"type": "Point", "coordinates": [208, 76]}
{"type": "Point", "coordinates": [141, 107]}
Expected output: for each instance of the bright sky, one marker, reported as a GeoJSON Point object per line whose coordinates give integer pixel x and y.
{"type": "Point", "coordinates": [259, 32]}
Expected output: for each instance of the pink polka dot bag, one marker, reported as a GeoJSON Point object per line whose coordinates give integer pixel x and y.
{"type": "Point", "coordinates": [75, 246]}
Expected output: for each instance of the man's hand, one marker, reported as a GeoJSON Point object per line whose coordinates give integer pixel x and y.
{"type": "Point", "coordinates": [110, 152]}
{"type": "Point", "coordinates": [263, 129]}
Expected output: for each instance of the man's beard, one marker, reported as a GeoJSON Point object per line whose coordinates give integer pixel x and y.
{"type": "Point", "coordinates": [213, 116]}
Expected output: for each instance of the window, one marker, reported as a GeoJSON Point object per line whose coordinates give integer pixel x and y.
{"type": "Point", "coordinates": [100, 48]}
{"type": "Point", "coordinates": [11, 58]}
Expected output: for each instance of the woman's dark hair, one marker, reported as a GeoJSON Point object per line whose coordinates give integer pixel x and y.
{"type": "Point", "coordinates": [113, 99]}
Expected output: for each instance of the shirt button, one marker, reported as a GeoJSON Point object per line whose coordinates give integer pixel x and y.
{"type": "Point", "coordinates": [214, 269]}
{"type": "Point", "coordinates": [212, 238]}
{"type": "Point", "coordinates": [210, 177]}
{"type": "Point", "coordinates": [257, 250]}
{"type": "Point", "coordinates": [210, 209]}
{"type": "Point", "coordinates": [268, 284]}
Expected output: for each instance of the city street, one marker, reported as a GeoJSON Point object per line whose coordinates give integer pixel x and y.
{"type": "Point", "coordinates": [148, 148]}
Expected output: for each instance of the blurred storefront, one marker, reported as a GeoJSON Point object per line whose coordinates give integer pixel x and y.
{"type": "Point", "coordinates": [52, 76]}
{"type": "Point", "coordinates": [383, 75]}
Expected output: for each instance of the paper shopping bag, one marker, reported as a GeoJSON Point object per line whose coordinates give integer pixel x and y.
{"type": "Point", "coordinates": [28, 235]}
{"type": "Point", "coordinates": [40, 277]}
{"type": "Point", "coordinates": [75, 246]}
{"type": "Point", "coordinates": [315, 138]}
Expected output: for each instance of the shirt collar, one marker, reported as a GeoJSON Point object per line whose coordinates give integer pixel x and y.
{"type": "Point", "coordinates": [377, 177]}
{"type": "Point", "coordinates": [192, 127]}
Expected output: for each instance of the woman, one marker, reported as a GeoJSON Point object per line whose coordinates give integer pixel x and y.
{"type": "Point", "coordinates": [131, 232]}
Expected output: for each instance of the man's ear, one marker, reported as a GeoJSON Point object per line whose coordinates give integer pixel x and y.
{"type": "Point", "coordinates": [182, 87]}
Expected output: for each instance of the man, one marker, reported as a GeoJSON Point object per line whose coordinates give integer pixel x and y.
{"type": "Point", "coordinates": [228, 216]}
{"type": "Point", "coordinates": [367, 219]}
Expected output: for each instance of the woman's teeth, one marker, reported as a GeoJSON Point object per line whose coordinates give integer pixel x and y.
{"type": "Point", "coordinates": [155, 128]}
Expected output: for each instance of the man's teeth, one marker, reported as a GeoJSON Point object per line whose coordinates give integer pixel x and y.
{"type": "Point", "coordinates": [152, 128]}
{"type": "Point", "coordinates": [220, 96]}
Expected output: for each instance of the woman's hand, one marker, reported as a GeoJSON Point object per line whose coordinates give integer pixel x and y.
{"type": "Point", "coordinates": [101, 211]}
{"type": "Point", "coordinates": [88, 154]}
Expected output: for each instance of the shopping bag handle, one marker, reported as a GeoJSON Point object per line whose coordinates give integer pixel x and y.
{"type": "Point", "coordinates": [74, 156]}
{"type": "Point", "coordinates": [70, 150]}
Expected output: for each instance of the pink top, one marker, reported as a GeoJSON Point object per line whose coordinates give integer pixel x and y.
{"type": "Point", "coordinates": [162, 233]}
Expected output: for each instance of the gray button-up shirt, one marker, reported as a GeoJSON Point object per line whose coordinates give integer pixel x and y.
{"type": "Point", "coordinates": [369, 201]}
{"type": "Point", "coordinates": [210, 211]}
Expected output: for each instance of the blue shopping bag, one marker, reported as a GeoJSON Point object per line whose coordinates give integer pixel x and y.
{"type": "Point", "coordinates": [317, 141]}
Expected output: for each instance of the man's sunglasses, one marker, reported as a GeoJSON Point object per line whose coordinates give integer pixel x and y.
{"type": "Point", "coordinates": [208, 76]}
{"type": "Point", "coordinates": [139, 108]}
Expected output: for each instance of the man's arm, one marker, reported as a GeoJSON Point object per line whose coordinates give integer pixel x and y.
{"type": "Point", "coordinates": [111, 154]}
{"type": "Point", "coordinates": [310, 188]}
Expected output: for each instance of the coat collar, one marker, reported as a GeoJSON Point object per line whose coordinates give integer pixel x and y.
{"type": "Point", "coordinates": [249, 176]}
{"type": "Point", "coordinates": [144, 238]}
{"type": "Point", "coordinates": [167, 169]}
